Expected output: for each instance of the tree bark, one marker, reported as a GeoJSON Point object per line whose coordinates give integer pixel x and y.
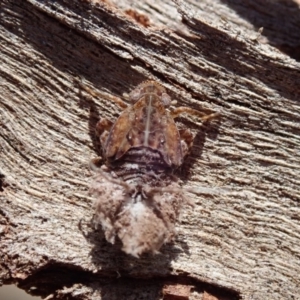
{"type": "Point", "coordinates": [63, 62]}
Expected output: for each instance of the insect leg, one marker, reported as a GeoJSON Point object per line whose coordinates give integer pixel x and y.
{"type": "Point", "coordinates": [182, 109]}
{"type": "Point", "coordinates": [187, 139]}
{"type": "Point", "coordinates": [95, 93]}
{"type": "Point", "coordinates": [102, 129]}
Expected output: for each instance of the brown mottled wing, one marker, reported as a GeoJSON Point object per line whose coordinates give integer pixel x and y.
{"type": "Point", "coordinates": [136, 127]}
{"type": "Point", "coordinates": [162, 136]}
{"type": "Point", "coordinates": [172, 146]}
{"type": "Point", "coordinates": [117, 143]}
{"type": "Point", "coordinates": [159, 129]}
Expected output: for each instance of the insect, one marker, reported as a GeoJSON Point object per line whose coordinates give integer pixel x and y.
{"type": "Point", "coordinates": [137, 197]}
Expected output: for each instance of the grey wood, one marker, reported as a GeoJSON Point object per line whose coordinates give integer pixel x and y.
{"type": "Point", "coordinates": [62, 64]}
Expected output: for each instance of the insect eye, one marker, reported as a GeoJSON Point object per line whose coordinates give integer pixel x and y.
{"type": "Point", "coordinates": [135, 95]}
{"type": "Point", "coordinates": [166, 99]}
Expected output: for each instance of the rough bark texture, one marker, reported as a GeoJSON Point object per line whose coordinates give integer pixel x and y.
{"type": "Point", "coordinates": [240, 242]}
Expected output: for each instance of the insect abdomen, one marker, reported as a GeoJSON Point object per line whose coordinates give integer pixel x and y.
{"type": "Point", "coordinates": [142, 165]}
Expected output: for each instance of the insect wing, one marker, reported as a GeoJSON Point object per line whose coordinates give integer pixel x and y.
{"type": "Point", "coordinates": [135, 128]}
{"type": "Point", "coordinates": [154, 128]}
{"type": "Point", "coordinates": [172, 146]}
{"type": "Point", "coordinates": [117, 143]}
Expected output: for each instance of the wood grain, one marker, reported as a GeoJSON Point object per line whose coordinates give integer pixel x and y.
{"type": "Point", "coordinates": [241, 241]}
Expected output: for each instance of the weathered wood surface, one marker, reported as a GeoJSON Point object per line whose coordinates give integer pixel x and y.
{"type": "Point", "coordinates": [241, 242]}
